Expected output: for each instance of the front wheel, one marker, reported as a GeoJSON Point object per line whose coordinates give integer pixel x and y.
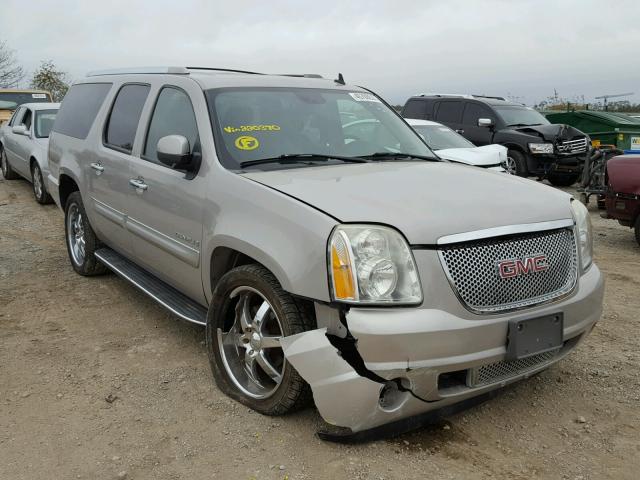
{"type": "Point", "coordinates": [563, 179]}
{"type": "Point", "coordinates": [516, 163]}
{"type": "Point", "coordinates": [39, 190]}
{"type": "Point", "coordinates": [81, 239]}
{"type": "Point", "coordinates": [248, 315]}
{"type": "Point", "coordinates": [7, 171]}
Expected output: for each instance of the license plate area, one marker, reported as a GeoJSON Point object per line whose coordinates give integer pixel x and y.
{"type": "Point", "coordinates": [533, 336]}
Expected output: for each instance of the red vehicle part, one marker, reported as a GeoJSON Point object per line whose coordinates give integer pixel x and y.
{"type": "Point", "coordinates": [623, 191]}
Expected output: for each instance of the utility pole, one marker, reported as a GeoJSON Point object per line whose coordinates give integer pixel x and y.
{"type": "Point", "coordinates": [606, 97]}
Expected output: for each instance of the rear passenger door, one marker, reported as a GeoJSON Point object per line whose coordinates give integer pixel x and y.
{"type": "Point", "coordinates": [449, 113]}
{"type": "Point", "coordinates": [166, 205]}
{"type": "Point", "coordinates": [109, 172]}
{"type": "Point", "coordinates": [477, 135]}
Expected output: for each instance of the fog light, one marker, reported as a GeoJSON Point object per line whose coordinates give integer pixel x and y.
{"type": "Point", "coordinates": [391, 397]}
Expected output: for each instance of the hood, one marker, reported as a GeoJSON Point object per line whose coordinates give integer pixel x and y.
{"type": "Point", "coordinates": [425, 201]}
{"type": "Point", "coordinates": [551, 133]}
{"type": "Point", "coordinates": [477, 156]}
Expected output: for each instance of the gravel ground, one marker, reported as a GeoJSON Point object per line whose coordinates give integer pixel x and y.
{"type": "Point", "coordinates": [98, 382]}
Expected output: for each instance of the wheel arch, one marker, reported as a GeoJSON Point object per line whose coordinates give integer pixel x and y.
{"type": "Point", "coordinates": [67, 185]}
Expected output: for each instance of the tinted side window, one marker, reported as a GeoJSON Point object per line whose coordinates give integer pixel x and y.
{"type": "Point", "coordinates": [123, 121]}
{"type": "Point", "coordinates": [172, 115]}
{"type": "Point", "coordinates": [26, 119]}
{"type": "Point", "coordinates": [449, 112]}
{"type": "Point", "coordinates": [79, 109]}
{"type": "Point", "coordinates": [415, 109]}
{"type": "Point", "coordinates": [473, 111]}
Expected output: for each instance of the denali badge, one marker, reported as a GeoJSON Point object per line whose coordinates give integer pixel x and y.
{"type": "Point", "coordinates": [523, 266]}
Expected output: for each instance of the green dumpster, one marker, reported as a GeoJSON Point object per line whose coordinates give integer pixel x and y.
{"type": "Point", "coordinates": [604, 128]}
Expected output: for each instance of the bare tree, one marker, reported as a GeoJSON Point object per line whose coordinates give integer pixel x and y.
{"type": "Point", "coordinates": [48, 77]}
{"type": "Point", "coordinates": [10, 71]}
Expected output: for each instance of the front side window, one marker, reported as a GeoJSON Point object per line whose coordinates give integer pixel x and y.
{"type": "Point", "coordinates": [122, 125]}
{"type": "Point", "coordinates": [26, 119]}
{"type": "Point", "coordinates": [44, 122]}
{"type": "Point", "coordinates": [449, 112]}
{"type": "Point", "coordinates": [440, 137]}
{"type": "Point", "coordinates": [473, 112]}
{"type": "Point", "coordinates": [172, 115]}
{"type": "Point", "coordinates": [265, 123]}
{"type": "Point", "coordinates": [516, 116]}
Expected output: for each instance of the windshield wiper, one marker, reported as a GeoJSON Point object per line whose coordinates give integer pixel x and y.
{"type": "Point", "coordinates": [301, 158]}
{"type": "Point", "coordinates": [382, 155]}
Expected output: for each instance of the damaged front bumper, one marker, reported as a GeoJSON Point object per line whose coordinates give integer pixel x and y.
{"type": "Point", "coordinates": [415, 360]}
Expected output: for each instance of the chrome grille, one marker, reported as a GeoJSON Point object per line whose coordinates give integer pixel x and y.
{"type": "Point", "coordinates": [499, 371]}
{"type": "Point", "coordinates": [472, 269]}
{"type": "Point", "coordinates": [573, 146]}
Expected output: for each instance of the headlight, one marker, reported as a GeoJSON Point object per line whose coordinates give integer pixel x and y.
{"type": "Point", "coordinates": [372, 264]}
{"type": "Point", "coordinates": [541, 147]}
{"type": "Point", "coordinates": [583, 229]}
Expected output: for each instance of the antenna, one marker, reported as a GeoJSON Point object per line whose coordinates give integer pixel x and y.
{"type": "Point", "coordinates": [605, 97]}
{"type": "Point", "coordinates": [340, 79]}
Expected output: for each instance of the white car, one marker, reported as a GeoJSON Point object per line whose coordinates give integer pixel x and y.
{"type": "Point", "coordinates": [24, 142]}
{"type": "Point", "coordinates": [453, 146]}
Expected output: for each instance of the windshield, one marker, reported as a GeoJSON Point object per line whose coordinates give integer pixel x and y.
{"type": "Point", "coordinates": [521, 116]}
{"type": "Point", "coordinates": [440, 137]}
{"type": "Point", "coordinates": [12, 100]}
{"type": "Point", "coordinates": [44, 122]}
{"type": "Point", "coordinates": [262, 123]}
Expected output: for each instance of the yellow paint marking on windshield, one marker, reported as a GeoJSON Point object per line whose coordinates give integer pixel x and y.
{"type": "Point", "coordinates": [246, 142]}
{"type": "Point", "coordinates": [252, 128]}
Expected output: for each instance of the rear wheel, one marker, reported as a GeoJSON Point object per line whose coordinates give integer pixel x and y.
{"type": "Point", "coordinates": [7, 171]}
{"type": "Point", "coordinates": [39, 190]}
{"type": "Point", "coordinates": [248, 315]}
{"type": "Point", "coordinates": [563, 179]}
{"type": "Point", "coordinates": [81, 239]}
{"type": "Point", "coordinates": [516, 163]}
{"type": "Point", "coordinates": [637, 229]}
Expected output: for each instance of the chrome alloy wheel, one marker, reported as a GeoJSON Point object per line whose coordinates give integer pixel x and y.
{"type": "Point", "coordinates": [510, 165]}
{"type": "Point", "coordinates": [75, 234]}
{"type": "Point", "coordinates": [250, 349]}
{"type": "Point", "coordinates": [37, 182]}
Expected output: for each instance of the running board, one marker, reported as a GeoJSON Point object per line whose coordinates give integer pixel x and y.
{"type": "Point", "coordinates": [164, 294]}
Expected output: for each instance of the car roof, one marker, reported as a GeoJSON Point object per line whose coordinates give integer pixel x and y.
{"type": "Point", "coordinates": [41, 106]}
{"type": "Point", "coordinates": [477, 98]}
{"type": "Point", "coordinates": [420, 122]}
{"type": "Point", "coordinates": [209, 78]}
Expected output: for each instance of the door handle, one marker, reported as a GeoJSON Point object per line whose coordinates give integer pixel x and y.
{"type": "Point", "coordinates": [98, 168]}
{"type": "Point", "coordinates": [139, 184]}
{"type": "Point", "coordinates": [460, 131]}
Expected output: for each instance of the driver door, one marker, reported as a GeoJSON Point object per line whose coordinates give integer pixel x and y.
{"type": "Point", "coordinates": [166, 205]}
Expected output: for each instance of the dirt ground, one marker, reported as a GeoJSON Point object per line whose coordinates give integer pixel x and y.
{"type": "Point", "coordinates": [99, 382]}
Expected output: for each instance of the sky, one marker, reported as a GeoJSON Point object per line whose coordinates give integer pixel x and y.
{"type": "Point", "coordinates": [520, 48]}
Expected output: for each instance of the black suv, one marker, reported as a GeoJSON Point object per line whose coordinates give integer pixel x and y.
{"type": "Point", "coordinates": [536, 147]}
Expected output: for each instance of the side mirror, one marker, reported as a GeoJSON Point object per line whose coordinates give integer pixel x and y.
{"type": "Point", "coordinates": [174, 151]}
{"type": "Point", "coordinates": [20, 130]}
{"type": "Point", "coordinates": [485, 122]}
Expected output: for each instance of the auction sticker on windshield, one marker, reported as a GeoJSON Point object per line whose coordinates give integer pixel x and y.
{"type": "Point", "coordinates": [364, 97]}
{"type": "Point", "coordinates": [246, 142]}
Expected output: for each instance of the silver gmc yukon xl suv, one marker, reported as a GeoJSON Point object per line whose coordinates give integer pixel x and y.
{"type": "Point", "coordinates": [323, 244]}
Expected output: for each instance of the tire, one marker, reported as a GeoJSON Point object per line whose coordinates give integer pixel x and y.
{"type": "Point", "coordinates": [39, 189]}
{"type": "Point", "coordinates": [81, 239]}
{"type": "Point", "coordinates": [637, 229]}
{"type": "Point", "coordinates": [516, 163]}
{"type": "Point", "coordinates": [563, 179]}
{"type": "Point", "coordinates": [7, 171]}
{"type": "Point", "coordinates": [232, 356]}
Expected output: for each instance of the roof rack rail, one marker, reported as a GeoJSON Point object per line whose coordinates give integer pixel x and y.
{"type": "Point", "coordinates": [231, 70]}
{"type": "Point", "coordinates": [458, 95]}
{"type": "Point", "coordinates": [301, 75]}
{"type": "Point", "coordinates": [133, 70]}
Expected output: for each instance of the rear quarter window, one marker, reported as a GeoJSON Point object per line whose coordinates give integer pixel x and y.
{"type": "Point", "coordinates": [415, 109]}
{"type": "Point", "coordinates": [79, 109]}
{"type": "Point", "coordinates": [449, 112]}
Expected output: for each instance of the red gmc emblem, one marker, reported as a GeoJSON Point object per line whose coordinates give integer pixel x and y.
{"type": "Point", "coordinates": [523, 266]}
